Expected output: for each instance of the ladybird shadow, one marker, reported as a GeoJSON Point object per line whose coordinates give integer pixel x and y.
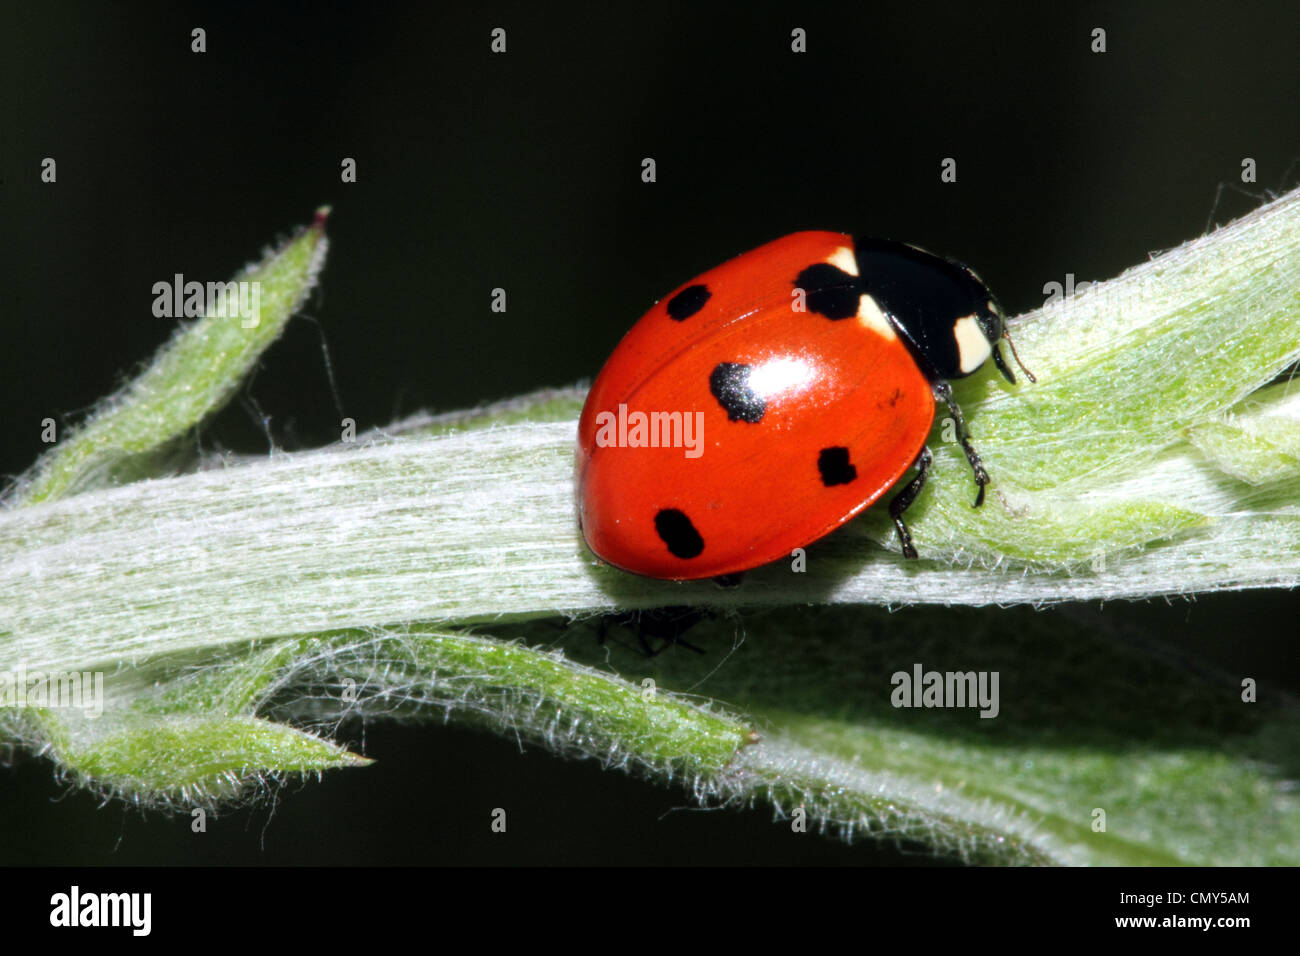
{"type": "Point", "coordinates": [1073, 678]}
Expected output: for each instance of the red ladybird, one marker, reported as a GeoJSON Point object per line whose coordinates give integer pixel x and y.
{"type": "Point", "coordinates": [770, 400]}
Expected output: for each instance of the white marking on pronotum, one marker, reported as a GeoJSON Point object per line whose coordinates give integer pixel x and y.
{"type": "Point", "coordinates": [870, 317]}
{"type": "Point", "coordinates": [972, 347]}
{"type": "Point", "coordinates": [844, 260]}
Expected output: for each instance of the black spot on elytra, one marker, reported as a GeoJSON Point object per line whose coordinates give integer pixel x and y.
{"type": "Point", "coordinates": [729, 383]}
{"type": "Point", "coordinates": [830, 291]}
{"type": "Point", "coordinates": [687, 302]}
{"type": "Point", "coordinates": [676, 531]}
{"type": "Point", "coordinates": [835, 466]}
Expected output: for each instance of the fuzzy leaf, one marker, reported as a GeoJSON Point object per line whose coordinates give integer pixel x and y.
{"type": "Point", "coordinates": [309, 587]}
{"type": "Point", "coordinates": [192, 376]}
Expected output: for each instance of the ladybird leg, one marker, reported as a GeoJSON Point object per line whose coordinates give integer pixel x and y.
{"type": "Point", "coordinates": [944, 391]}
{"type": "Point", "coordinates": [669, 640]}
{"type": "Point", "coordinates": [901, 501]}
{"type": "Point", "coordinates": [625, 620]}
{"type": "Point", "coordinates": [730, 580]}
{"type": "Point", "coordinates": [686, 644]}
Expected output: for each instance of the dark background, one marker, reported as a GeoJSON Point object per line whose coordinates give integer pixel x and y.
{"type": "Point", "coordinates": [522, 171]}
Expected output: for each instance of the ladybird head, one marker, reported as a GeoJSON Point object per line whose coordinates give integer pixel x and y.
{"type": "Point", "coordinates": [977, 330]}
{"type": "Point", "coordinates": [977, 326]}
{"type": "Point", "coordinates": [993, 327]}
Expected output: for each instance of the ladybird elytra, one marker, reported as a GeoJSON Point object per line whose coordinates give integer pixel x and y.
{"type": "Point", "coordinates": [764, 403]}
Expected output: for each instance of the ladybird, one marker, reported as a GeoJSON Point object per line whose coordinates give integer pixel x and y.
{"type": "Point", "coordinates": [765, 403]}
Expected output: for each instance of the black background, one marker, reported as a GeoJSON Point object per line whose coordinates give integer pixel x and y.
{"type": "Point", "coordinates": [522, 171]}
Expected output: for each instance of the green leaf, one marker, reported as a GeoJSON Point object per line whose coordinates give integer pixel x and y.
{"type": "Point", "coordinates": [192, 376]}
{"type": "Point", "coordinates": [191, 761]}
{"type": "Point", "coordinates": [1260, 444]}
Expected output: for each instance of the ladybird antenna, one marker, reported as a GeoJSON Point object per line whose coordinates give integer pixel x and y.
{"type": "Point", "coordinates": [1006, 334]}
